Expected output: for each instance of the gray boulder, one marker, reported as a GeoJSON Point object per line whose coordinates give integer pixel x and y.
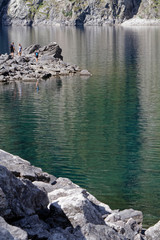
{"type": "Point", "coordinates": [64, 234]}
{"type": "Point", "coordinates": [100, 232]}
{"type": "Point", "coordinates": [47, 59]}
{"type": "Point", "coordinates": [83, 211]}
{"type": "Point", "coordinates": [127, 222]}
{"type": "Point", "coordinates": [64, 183]}
{"type": "Point", "coordinates": [53, 50]}
{"type": "Point", "coordinates": [31, 49]}
{"type": "Point", "coordinates": [131, 213]}
{"type": "Point", "coordinates": [45, 187]}
{"type": "Point", "coordinates": [59, 183]}
{"type": "Point", "coordinates": [153, 233]}
{"type": "Point", "coordinates": [75, 205]}
{"type": "Point", "coordinates": [85, 73]}
{"type": "Point", "coordinates": [20, 198]}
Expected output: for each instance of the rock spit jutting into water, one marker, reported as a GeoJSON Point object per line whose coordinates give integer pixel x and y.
{"type": "Point", "coordinates": [25, 68]}
{"type": "Point", "coordinates": [37, 205]}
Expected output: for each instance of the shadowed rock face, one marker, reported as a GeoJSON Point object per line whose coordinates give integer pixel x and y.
{"type": "Point", "coordinates": [67, 12]}
{"type": "Point", "coordinates": [59, 209]}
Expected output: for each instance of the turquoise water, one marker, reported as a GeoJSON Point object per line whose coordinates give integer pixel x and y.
{"type": "Point", "coordinates": [102, 132]}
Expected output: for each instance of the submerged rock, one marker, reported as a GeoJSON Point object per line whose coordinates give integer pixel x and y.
{"type": "Point", "coordinates": [36, 205]}
{"type": "Point", "coordinates": [85, 72]}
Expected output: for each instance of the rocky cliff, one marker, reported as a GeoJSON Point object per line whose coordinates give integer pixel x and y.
{"type": "Point", "coordinates": [35, 205]}
{"type": "Point", "coordinates": [67, 12]}
{"type": "Point", "coordinates": [149, 9]}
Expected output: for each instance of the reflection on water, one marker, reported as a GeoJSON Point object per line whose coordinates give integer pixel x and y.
{"type": "Point", "coordinates": [102, 132]}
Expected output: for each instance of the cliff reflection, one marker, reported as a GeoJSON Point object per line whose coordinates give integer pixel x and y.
{"type": "Point", "coordinates": [149, 97]}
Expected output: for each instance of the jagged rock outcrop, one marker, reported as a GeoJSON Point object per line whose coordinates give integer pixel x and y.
{"type": "Point", "coordinates": [68, 12]}
{"type": "Point", "coordinates": [25, 67]}
{"type": "Point", "coordinates": [46, 207]}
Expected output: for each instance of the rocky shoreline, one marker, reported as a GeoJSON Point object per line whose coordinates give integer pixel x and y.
{"type": "Point", "coordinates": [37, 205]}
{"type": "Point", "coordinates": [25, 68]}
{"type": "Point", "coordinates": [136, 21]}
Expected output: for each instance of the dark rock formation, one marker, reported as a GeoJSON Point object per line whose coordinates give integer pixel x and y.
{"type": "Point", "coordinates": [19, 197]}
{"type": "Point", "coordinates": [57, 209]}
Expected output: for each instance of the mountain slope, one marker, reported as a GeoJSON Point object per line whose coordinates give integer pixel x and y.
{"type": "Point", "coordinates": [149, 9]}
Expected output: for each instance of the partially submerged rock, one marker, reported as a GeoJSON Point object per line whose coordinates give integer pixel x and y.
{"type": "Point", "coordinates": [50, 63]}
{"type": "Point", "coordinates": [85, 73]}
{"type": "Point", "coordinates": [36, 205]}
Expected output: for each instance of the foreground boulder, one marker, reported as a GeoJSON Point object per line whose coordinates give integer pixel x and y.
{"type": "Point", "coordinates": [36, 205]}
{"type": "Point", "coordinates": [25, 68]}
{"type": "Point", "coordinates": [153, 233]}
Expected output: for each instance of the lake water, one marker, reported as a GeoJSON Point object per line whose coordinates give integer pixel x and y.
{"type": "Point", "coordinates": [102, 132]}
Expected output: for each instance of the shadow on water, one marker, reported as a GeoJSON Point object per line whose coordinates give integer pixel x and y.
{"type": "Point", "coordinates": [4, 40]}
{"type": "Point", "coordinates": [132, 128]}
